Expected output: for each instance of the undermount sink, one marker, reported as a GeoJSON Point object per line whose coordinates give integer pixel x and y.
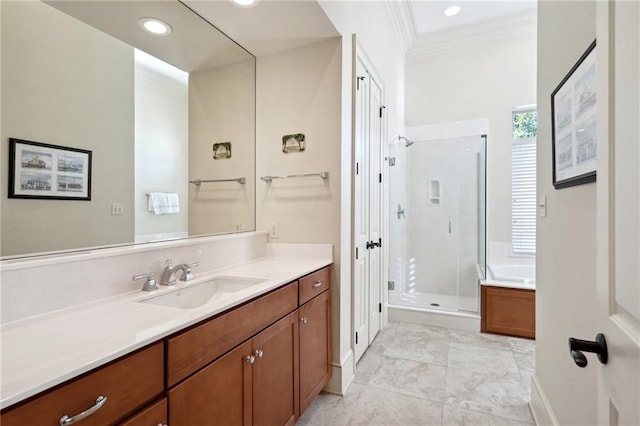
{"type": "Point", "coordinates": [199, 294]}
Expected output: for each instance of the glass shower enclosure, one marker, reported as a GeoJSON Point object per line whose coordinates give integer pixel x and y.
{"type": "Point", "coordinates": [437, 222]}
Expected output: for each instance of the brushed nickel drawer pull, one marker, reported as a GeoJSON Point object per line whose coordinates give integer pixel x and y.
{"type": "Point", "coordinates": [317, 284]}
{"type": "Point", "coordinates": [66, 420]}
{"type": "Point", "coordinates": [250, 359]}
{"type": "Point", "coordinates": [259, 353]}
{"type": "Point", "coordinates": [304, 320]}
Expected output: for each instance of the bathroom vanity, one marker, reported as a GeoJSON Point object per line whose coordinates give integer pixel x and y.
{"type": "Point", "coordinates": [260, 355]}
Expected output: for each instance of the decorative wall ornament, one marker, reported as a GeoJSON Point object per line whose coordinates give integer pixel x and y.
{"type": "Point", "coordinates": [573, 115]}
{"type": "Point", "coordinates": [221, 150]}
{"type": "Point", "coordinates": [44, 171]}
{"type": "Point", "coordinates": [293, 143]}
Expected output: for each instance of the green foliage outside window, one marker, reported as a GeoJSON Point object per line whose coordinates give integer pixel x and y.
{"type": "Point", "coordinates": [525, 124]}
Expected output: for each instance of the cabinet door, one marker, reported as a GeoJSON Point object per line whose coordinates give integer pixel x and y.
{"type": "Point", "coordinates": [315, 348]}
{"type": "Point", "coordinates": [218, 394]}
{"type": "Point", "coordinates": [154, 415]}
{"type": "Point", "coordinates": [275, 373]}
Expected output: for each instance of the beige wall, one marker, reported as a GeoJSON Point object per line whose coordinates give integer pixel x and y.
{"type": "Point", "coordinates": [566, 239]}
{"type": "Point", "coordinates": [485, 80]}
{"type": "Point", "coordinates": [222, 109]}
{"type": "Point", "coordinates": [59, 105]}
{"type": "Point", "coordinates": [298, 91]}
{"type": "Point", "coordinates": [162, 147]}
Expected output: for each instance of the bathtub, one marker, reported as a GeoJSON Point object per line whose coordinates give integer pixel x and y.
{"type": "Point", "coordinates": [508, 300]}
{"type": "Point", "coordinates": [515, 273]}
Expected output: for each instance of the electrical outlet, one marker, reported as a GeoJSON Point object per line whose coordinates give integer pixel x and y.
{"type": "Point", "coordinates": [117, 209]}
{"type": "Point", "coordinates": [274, 231]}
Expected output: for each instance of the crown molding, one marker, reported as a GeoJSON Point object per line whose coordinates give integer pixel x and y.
{"type": "Point", "coordinates": [523, 24]}
{"type": "Point", "coordinates": [401, 16]}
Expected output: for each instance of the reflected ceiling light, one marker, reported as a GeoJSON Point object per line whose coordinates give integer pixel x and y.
{"type": "Point", "coordinates": [245, 3]}
{"type": "Point", "coordinates": [155, 26]}
{"type": "Point", "coordinates": [452, 10]}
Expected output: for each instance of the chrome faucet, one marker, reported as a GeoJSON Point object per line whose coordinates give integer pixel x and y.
{"type": "Point", "coordinates": [169, 272]}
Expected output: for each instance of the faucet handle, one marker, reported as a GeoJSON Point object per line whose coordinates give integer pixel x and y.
{"type": "Point", "coordinates": [187, 275]}
{"type": "Point", "coordinates": [150, 282]}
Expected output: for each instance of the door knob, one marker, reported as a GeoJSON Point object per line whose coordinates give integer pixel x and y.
{"type": "Point", "coordinates": [599, 347]}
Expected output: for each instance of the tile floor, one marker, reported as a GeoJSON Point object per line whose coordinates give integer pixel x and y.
{"type": "Point", "coordinates": [421, 375]}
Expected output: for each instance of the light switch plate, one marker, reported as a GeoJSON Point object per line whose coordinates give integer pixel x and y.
{"type": "Point", "coordinates": [117, 209]}
{"type": "Point", "coordinates": [542, 206]}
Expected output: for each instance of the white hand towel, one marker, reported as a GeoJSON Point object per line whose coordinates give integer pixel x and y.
{"type": "Point", "coordinates": [158, 202]}
{"type": "Point", "coordinates": [173, 203]}
{"type": "Point", "coordinates": [163, 203]}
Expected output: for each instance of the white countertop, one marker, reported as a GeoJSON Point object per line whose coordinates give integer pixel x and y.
{"type": "Point", "coordinates": [44, 351]}
{"type": "Point", "coordinates": [509, 284]}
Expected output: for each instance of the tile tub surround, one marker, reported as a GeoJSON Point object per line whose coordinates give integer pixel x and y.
{"type": "Point", "coordinates": [49, 348]}
{"type": "Point", "coordinates": [416, 375]}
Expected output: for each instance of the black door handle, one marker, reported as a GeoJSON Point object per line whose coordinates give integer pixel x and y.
{"type": "Point", "coordinates": [373, 244]}
{"type": "Point", "coordinates": [599, 347]}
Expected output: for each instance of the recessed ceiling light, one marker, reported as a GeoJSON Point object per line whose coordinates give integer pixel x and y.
{"type": "Point", "coordinates": [452, 10]}
{"type": "Point", "coordinates": [155, 26]}
{"type": "Point", "coordinates": [245, 3]}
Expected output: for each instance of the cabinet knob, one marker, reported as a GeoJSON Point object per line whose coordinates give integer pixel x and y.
{"type": "Point", "coordinates": [304, 320]}
{"type": "Point", "coordinates": [250, 359]}
{"type": "Point", "coordinates": [258, 353]}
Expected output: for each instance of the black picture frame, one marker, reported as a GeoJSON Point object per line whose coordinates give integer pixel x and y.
{"type": "Point", "coordinates": [574, 124]}
{"type": "Point", "coordinates": [43, 171]}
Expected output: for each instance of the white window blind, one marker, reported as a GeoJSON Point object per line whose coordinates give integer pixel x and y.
{"type": "Point", "coordinates": [523, 192]}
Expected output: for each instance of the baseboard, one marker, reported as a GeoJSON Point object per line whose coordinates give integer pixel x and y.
{"type": "Point", "coordinates": [540, 406]}
{"type": "Point", "coordinates": [342, 375]}
{"type": "Point", "coordinates": [454, 320]}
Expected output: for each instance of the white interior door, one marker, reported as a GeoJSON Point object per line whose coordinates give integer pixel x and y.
{"type": "Point", "coordinates": [618, 70]}
{"type": "Point", "coordinates": [375, 208]}
{"type": "Point", "coordinates": [361, 213]}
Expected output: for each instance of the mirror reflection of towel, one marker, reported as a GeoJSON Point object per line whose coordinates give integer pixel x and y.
{"type": "Point", "coordinates": [163, 203]}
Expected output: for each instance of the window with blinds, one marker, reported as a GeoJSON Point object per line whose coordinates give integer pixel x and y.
{"type": "Point", "coordinates": [523, 182]}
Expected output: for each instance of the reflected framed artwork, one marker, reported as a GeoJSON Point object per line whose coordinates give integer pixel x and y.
{"type": "Point", "coordinates": [574, 131]}
{"type": "Point", "coordinates": [43, 171]}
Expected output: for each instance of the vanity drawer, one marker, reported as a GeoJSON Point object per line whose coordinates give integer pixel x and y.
{"type": "Point", "coordinates": [313, 284]}
{"type": "Point", "coordinates": [193, 349]}
{"type": "Point", "coordinates": [128, 384]}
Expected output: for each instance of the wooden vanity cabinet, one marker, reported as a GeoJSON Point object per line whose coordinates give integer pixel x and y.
{"type": "Point", "coordinates": [261, 363]}
{"type": "Point", "coordinates": [129, 384]}
{"type": "Point", "coordinates": [256, 383]}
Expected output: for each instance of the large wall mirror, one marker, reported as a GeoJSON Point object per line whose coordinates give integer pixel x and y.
{"type": "Point", "coordinates": [169, 120]}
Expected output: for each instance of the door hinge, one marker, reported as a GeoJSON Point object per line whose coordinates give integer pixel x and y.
{"type": "Point", "coordinates": [357, 168]}
{"type": "Point", "coordinates": [381, 108]}
{"type": "Point", "coordinates": [391, 285]}
{"type": "Point", "coordinates": [380, 177]}
{"type": "Point", "coordinates": [380, 242]}
{"type": "Point", "coordinates": [380, 307]}
{"type": "Point", "coordinates": [356, 337]}
{"type": "Point", "coordinates": [356, 253]}
{"type": "Point", "coordinates": [358, 78]}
